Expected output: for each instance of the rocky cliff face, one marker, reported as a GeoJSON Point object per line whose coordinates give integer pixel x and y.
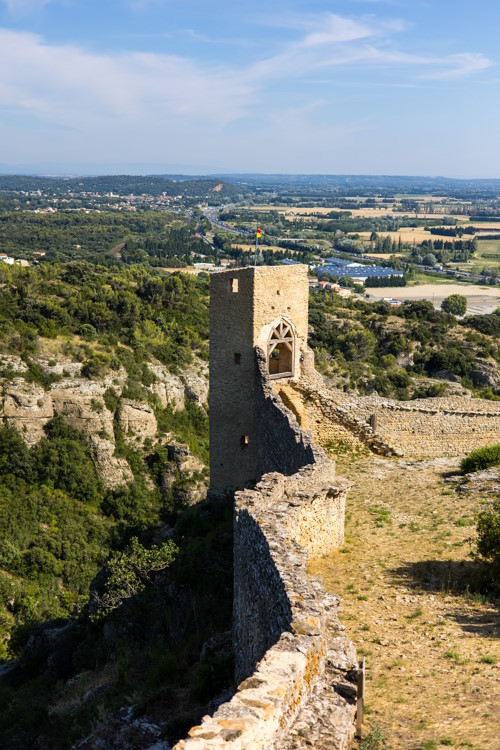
{"type": "Point", "coordinates": [486, 372]}
{"type": "Point", "coordinates": [137, 420]}
{"type": "Point", "coordinates": [29, 407]}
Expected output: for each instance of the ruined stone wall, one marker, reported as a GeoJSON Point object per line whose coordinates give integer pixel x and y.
{"type": "Point", "coordinates": [329, 422]}
{"type": "Point", "coordinates": [293, 661]}
{"type": "Point", "coordinates": [280, 444]}
{"type": "Point", "coordinates": [425, 427]}
{"type": "Point", "coordinates": [291, 652]}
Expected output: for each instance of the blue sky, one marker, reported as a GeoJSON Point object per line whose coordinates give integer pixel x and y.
{"type": "Point", "coordinates": [355, 86]}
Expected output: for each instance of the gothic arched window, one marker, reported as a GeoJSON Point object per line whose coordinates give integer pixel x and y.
{"type": "Point", "coordinates": [280, 350]}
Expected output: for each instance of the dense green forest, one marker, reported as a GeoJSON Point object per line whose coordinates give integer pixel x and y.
{"type": "Point", "coordinates": [66, 236]}
{"type": "Point", "coordinates": [160, 587]}
{"type": "Point", "coordinates": [120, 316]}
{"type": "Point", "coordinates": [373, 347]}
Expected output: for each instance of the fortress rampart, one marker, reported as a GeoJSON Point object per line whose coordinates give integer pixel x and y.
{"type": "Point", "coordinates": [293, 657]}
{"type": "Point", "coordinates": [294, 664]}
{"type": "Point", "coordinates": [434, 427]}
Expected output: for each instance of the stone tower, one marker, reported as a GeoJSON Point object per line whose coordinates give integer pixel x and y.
{"type": "Point", "coordinates": [265, 307]}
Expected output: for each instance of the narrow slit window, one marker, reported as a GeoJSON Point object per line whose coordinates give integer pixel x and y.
{"type": "Point", "coordinates": [244, 441]}
{"type": "Point", "coordinates": [234, 285]}
{"type": "Point", "coordinates": [237, 358]}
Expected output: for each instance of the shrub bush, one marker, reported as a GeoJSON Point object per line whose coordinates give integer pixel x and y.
{"type": "Point", "coordinates": [482, 458]}
{"type": "Point", "coordinates": [488, 541]}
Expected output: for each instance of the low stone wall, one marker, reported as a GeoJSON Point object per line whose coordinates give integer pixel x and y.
{"type": "Point", "coordinates": [330, 422]}
{"type": "Point", "coordinates": [433, 427]}
{"type": "Point", "coordinates": [291, 652]}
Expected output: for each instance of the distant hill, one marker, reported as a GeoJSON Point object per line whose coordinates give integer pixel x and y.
{"type": "Point", "coordinates": [199, 188]}
{"type": "Point", "coordinates": [384, 185]}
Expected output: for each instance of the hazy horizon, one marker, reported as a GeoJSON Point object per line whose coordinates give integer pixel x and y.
{"type": "Point", "coordinates": [226, 173]}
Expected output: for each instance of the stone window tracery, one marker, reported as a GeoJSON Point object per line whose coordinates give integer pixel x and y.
{"type": "Point", "coordinates": [281, 350]}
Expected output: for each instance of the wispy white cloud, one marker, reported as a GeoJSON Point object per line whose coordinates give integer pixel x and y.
{"type": "Point", "coordinates": [377, 2]}
{"type": "Point", "coordinates": [428, 67]}
{"type": "Point", "coordinates": [157, 103]}
{"type": "Point", "coordinates": [68, 83]}
{"type": "Point", "coordinates": [460, 66]}
{"type": "Point", "coordinates": [338, 28]}
{"type": "Point", "coordinates": [332, 41]}
{"type": "Point", "coordinates": [21, 8]}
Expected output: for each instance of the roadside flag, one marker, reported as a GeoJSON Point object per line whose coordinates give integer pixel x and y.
{"type": "Point", "coordinates": [258, 233]}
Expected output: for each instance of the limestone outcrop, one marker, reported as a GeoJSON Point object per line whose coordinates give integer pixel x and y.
{"type": "Point", "coordinates": [173, 390]}
{"type": "Point", "coordinates": [28, 408]}
{"type": "Point", "coordinates": [181, 466]}
{"type": "Point", "coordinates": [137, 420]}
{"type": "Point", "coordinates": [80, 401]}
{"type": "Point", "coordinates": [486, 372]}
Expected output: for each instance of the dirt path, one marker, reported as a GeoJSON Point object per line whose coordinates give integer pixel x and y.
{"type": "Point", "coordinates": [432, 650]}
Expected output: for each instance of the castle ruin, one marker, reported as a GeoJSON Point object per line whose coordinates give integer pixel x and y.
{"type": "Point", "coordinates": [265, 309]}
{"type": "Point", "coordinates": [293, 662]}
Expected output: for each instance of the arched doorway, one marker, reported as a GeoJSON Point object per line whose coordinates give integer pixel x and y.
{"type": "Point", "coordinates": [281, 350]}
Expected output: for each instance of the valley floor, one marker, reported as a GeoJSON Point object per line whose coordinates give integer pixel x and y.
{"type": "Point", "coordinates": [480, 299]}
{"type": "Point", "coordinates": [432, 649]}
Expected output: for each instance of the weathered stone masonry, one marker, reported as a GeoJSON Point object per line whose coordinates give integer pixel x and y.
{"type": "Point", "coordinates": [245, 306]}
{"type": "Point", "coordinates": [433, 427]}
{"type": "Point", "coordinates": [293, 662]}
{"type": "Point", "coordinates": [292, 654]}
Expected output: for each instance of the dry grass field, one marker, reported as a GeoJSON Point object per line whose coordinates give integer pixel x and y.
{"type": "Point", "coordinates": [370, 212]}
{"type": "Point", "coordinates": [432, 649]}
{"type": "Point", "coordinates": [383, 256]}
{"type": "Point", "coordinates": [409, 235]}
{"type": "Point", "coordinates": [490, 226]}
{"type": "Point", "coordinates": [488, 255]}
{"type": "Point", "coordinates": [295, 210]}
{"type": "Point", "coordinates": [251, 248]}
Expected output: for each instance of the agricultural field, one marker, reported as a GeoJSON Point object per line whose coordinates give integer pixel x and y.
{"type": "Point", "coordinates": [409, 235]}
{"type": "Point", "coordinates": [362, 211]}
{"type": "Point", "coordinates": [487, 255]}
{"type": "Point", "coordinates": [251, 248]}
{"type": "Point", "coordinates": [432, 648]}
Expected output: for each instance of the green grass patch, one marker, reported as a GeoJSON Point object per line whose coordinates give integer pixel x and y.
{"type": "Point", "coordinates": [418, 612]}
{"type": "Point", "coordinates": [488, 659]}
